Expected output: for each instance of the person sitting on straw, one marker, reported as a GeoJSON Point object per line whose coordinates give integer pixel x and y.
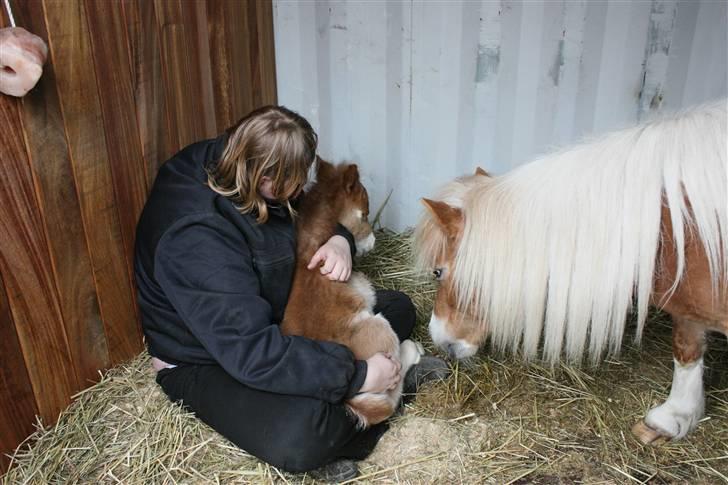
{"type": "Point", "coordinates": [214, 260]}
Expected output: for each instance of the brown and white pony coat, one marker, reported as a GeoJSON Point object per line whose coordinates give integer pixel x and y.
{"type": "Point", "coordinates": [321, 309]}
{"type": "Point", "coordinates": [558, 252]}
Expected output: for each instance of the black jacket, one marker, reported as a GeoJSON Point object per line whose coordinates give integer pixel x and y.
{"type": "Point", "coordinates": [213, 285]}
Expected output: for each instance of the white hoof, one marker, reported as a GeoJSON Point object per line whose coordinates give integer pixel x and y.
{"type": "Point", "coordinates": [684, 407]}
{"type": "Point", "coordinates": [671, 422]}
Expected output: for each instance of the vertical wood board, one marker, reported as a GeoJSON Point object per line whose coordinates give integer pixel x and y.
{"type": "Point", "coordinates": [148, 85]}
{"type": "Point", "coordinates": [25, 267]}
{"type": "Point", "coordinates": [56, 191]}
{"type": "Point", "coordinates": [79, 98]}
{"type": "Point", "coordinates": [18, 410]}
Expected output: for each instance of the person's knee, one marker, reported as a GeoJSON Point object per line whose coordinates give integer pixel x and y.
{"type": "Point", "coordinates": [305, 454]}
{"type": "Point", "coordinates": [403, 314]}
{"type": "Point", "coordinates": [311, 443]}
{"type": "Point", "coordinates": [410, 312]}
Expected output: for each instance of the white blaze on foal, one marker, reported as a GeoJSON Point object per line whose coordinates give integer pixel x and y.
{"type": "Point", "coordinates": [365, 244]}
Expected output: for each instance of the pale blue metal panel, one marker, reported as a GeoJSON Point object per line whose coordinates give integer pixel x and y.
{"type": "Point", "coordinates": [418, 92]}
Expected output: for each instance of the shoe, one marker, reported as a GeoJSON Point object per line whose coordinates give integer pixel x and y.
{"type": "Point", "coordinates": [429, 368]}
{"type": "Point", "coordinates": [337, 471]}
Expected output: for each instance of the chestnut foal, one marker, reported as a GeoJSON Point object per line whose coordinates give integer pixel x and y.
{"type": "Point", "coordinates": [321, 309]}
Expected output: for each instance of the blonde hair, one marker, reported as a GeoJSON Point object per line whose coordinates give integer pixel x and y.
{"type": "Point", "coordinates": [271, 141]}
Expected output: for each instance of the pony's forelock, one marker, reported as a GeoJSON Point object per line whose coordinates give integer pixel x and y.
{"type": "Point", "coordinates": [429, 238]}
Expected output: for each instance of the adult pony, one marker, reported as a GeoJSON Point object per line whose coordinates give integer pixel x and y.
{"type": "Point", "coordinates": [343, 312]}
{"type": "Point", "coordinates": [557, 252]}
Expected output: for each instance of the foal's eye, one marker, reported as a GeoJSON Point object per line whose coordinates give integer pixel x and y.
{"type": "Point", "coordinates": [437, 272]}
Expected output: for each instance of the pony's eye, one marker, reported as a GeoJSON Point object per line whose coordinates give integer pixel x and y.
{"type": "Point", "coordinates": [437, 272]}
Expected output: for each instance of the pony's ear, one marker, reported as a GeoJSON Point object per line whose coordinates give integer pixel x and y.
{"type": "Point", "coordinates": [351, 177]}
{"type": "Point", "coordinates": [480, 171]}
{"type": "Point", "coordinates": [448, 217]}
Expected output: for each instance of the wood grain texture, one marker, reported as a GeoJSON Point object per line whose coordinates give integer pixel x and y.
{"type": "Point", "coordinates": [178, 62]}
{"type": "Point", "coordinates": [128, 83]}
{"type": "Point", "coordinates": [198, 22]}
{"type": "Point", "coordinates": [148, 85]}
{"type": "Point", "coordinates": [110, 47]}
{"type": "Point", "coordinates": [76, 80]}
{"type": "Point", "coordinates": [194, 18]}
{"type": "Point", "coordinates": [230, 56]}
{"type": "Point", "coordinates": [51, 168]}
{"type": "Point", "coordinates": [18, 409]}
{"type": "Point", "coordinates": [17, 402]}
{"type": "Point", "coordinates": [26, 270]}
{"type": "Point", "coordinates": [264, 61]}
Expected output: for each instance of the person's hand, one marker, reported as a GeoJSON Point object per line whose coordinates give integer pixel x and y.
{"type": "Point", "coordinates": [382, 373]}
{"type": "Point", "coordinates": [336, 256]}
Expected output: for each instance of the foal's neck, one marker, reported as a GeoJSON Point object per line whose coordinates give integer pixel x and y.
{"type": "Point", "coordinates": [316, 225]}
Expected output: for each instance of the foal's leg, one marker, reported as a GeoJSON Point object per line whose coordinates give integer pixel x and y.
{"type": "Point", "coordinates": [410, 353]}
{"type": "Point", "coordinates": [680, 414]}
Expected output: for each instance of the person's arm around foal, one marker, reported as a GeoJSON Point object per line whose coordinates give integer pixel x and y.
{"type": "Point", "coordinates": [336, 257]}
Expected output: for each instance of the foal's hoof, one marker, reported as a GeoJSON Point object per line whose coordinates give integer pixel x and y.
{"type": "Point", "coordinates": [648, 435]}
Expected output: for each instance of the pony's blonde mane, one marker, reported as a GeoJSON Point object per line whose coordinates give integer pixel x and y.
{"type": "Point", "coordinates": [561, 248]}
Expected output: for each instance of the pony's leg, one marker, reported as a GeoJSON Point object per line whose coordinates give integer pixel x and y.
{"type": "Point", "coordinates": [680, 414]}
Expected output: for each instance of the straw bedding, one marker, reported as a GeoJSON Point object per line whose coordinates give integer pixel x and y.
{"type": "Point", "coordinates": [495, 420]}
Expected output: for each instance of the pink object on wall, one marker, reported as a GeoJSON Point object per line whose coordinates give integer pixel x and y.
{"type": "Point", "coordinates": [22, 56]}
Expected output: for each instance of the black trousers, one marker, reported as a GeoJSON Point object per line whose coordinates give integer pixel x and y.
{"type": "Point", "coordinates": [293, 433]}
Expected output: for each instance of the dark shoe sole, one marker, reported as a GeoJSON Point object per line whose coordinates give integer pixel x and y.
{"type": "Point", "coordinates": [428, 369]}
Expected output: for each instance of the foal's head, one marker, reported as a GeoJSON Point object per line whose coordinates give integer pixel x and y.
{"type": "Point", "coordinates": [349, 200]}
{"type": "Point", "coordinates": [454, 326]}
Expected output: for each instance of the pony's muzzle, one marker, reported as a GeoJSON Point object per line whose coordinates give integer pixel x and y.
{"type": "Point", "coordinates": [451, 350]}
{"type": "Point", "coordinates": [460, 350]}
{"type": "Point", "coordinates": [455, 348]}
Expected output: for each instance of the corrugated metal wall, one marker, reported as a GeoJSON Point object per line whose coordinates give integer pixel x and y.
{"type": "Point", "coordinates": [418, 92]}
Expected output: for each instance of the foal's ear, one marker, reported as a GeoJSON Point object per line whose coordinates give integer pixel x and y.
{"type": "Point", "coordinates": [351, 177]}
{"type": "Point", "coordinates": [323, 168]}
{"type": "Point", "coordinates": [448, 217]}
{"type": "Point", "coordinates": [480, 171]}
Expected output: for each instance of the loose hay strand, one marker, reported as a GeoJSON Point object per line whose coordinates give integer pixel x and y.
{"type": "Point", "coordinates": [495, 420]}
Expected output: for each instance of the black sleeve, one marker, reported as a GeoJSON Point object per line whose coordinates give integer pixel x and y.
{"type": "Point", "coordinates": [342, 231]}
{"type": "Point", "coordinates": [205, 269]}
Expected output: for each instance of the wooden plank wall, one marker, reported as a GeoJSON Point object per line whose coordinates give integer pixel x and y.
{"type": "Point", "coordinates": [127, 84]}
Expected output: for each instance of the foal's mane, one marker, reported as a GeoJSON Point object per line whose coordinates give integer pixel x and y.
{"type": "Point", "coordinates": [562, 247]}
